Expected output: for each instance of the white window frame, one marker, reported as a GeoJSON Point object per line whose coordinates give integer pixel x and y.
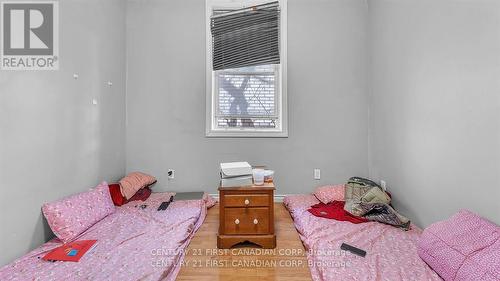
{"type": "Point", "coordinates": [211, 103]}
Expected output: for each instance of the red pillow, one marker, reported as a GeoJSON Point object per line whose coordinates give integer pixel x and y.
{"type": "Point", "coordinates": [119, 200]}
{"type": "Point", "coordinates": [116, 194]}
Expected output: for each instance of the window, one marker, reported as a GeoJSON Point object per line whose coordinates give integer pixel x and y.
{"type": "Point", "coordinates": [246, 69]}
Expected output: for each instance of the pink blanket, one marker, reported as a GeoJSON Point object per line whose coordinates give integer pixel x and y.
{"type": "Point", "coordinates": [463, 247]}
{"type": "Point", "coordinates": [391, 252]}
{"type": "Point", "coordinates": [132, 244]}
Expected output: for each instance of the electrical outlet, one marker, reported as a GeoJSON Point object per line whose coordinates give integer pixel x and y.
{"type": "Point", "coordinates": [317, 174]}
{"type": "Point", "coordinates": [383, 184]}
{"type": "Point", "coordinates": [171, 174]}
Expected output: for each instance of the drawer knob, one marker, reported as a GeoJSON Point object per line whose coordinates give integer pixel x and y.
{"type": "Point", "coordinates": [237, 221]}
{"type": "Point", "coordinates": [247, 201]}
{"type": "Point", "coordinates": [255, 221]}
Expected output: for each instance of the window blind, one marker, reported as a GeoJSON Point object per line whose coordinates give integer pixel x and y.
{"type": "Point", "coordinates": [246, 37]}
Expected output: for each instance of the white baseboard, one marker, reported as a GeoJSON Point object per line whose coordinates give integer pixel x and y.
{"type": "Point", "coordinates": [277, 197]}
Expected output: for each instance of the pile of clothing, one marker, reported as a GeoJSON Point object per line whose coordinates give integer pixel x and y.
{"type": "Point", "coordinates": [363, 201]}
{"type": "Point", "coordinates": [364, 198]}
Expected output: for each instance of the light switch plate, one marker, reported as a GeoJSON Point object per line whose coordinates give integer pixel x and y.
{"type": "Point", "coordinates": [383, 184]}
{"type": "Point", "coordinates": [317, 174]}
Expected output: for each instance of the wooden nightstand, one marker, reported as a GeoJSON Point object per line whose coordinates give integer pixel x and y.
{"type": "Point", "coordinates": [246, 214]}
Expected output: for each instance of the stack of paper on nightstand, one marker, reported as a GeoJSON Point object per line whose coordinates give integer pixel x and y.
{"type": "Point", "coordinates": [235, 174]}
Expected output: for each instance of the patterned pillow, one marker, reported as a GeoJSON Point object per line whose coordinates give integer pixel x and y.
{"type": "Point", "coordinates": [133, 182]}
{"type": "Point", "coordinates": [329, 193]}
{"type": "Point", "coordinates": [72, 215]}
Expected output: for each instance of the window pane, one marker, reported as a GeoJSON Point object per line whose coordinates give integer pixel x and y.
{"type": "Point", "coordinates": [246, 97]}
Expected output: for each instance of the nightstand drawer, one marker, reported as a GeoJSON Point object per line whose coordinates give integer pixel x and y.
{"type": "Point", "coordinates": [250, 200]}
{"type": "Point", "coordinates": [246, 220]}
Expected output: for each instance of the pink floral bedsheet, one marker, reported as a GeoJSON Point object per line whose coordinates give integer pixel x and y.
{"type": "Point", "coordinates": [132, 244]}
{"type": "Point", "coordinates": [391, 252]}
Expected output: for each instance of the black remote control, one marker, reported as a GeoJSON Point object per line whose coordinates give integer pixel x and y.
{"type": "Point", "coordinates": [352, 249]}
{"type": "Point", "coordinates": [164, 206]}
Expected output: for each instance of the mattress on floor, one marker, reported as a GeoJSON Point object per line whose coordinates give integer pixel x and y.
{"type": "Point", "coordinates": [132, 244]}
{"type": "Point", "coordinates": [391, 252]}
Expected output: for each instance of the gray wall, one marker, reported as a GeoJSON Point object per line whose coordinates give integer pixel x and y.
{"type": "Point", "coordinates": [327, 86]}
{"type": "Point", "coordinates": [435, 105]}
{"type": "Point", "coordinates": [431, 68]}
{"type": "Point", "coordinates": [53, 142]}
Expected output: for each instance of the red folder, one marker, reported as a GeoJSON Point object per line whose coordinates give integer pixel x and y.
{"type": "Point", "coordinates": [73, 251]}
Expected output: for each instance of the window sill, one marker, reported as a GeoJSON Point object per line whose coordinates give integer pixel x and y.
{"type": "Point", "coordinates": [245, 134]}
